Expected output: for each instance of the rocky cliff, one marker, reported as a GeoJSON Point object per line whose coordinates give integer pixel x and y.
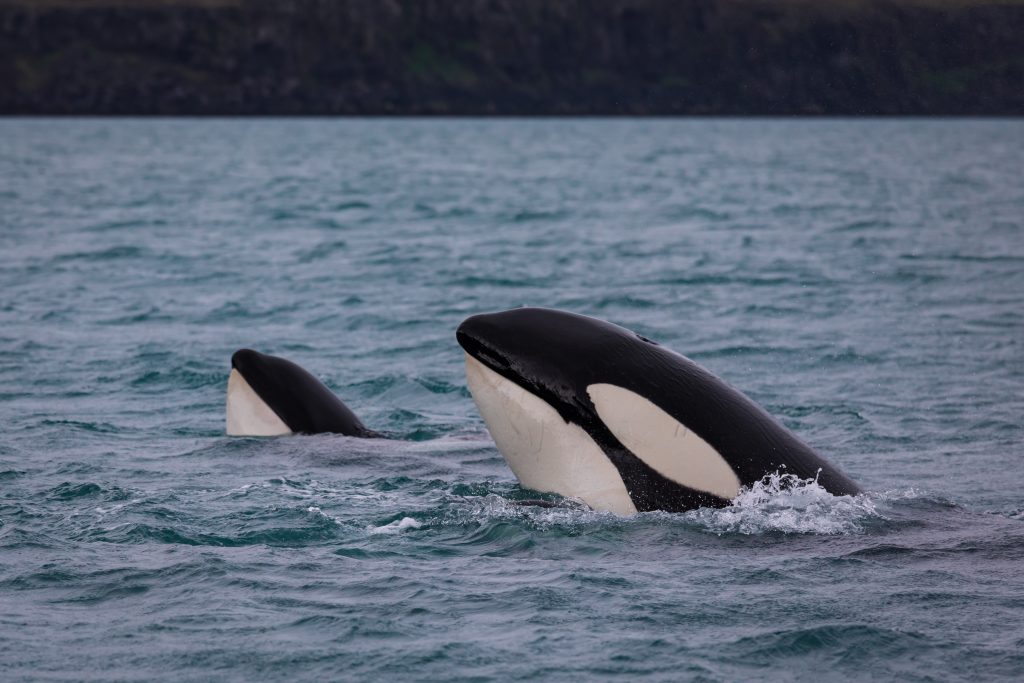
{"type": "Point", "coordinates": [511, 57]}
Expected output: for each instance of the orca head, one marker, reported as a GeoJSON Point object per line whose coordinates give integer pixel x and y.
{"type": "Point", "coordinates": [271, 396]}
{"type": "Point", "coordinates": [563, 396]}
{"type": "Point", "coordinates": [555, 355]}
{"type": "Point", "coordinates": [588, 409]}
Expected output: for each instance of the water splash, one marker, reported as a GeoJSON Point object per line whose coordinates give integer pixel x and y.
{"type": "Point", "coordinates": [787, 504]}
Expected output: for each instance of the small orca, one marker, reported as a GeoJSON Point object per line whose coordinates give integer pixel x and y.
{"type": "Point", "coordinates": [270, 396]}
{"type": "Point", "coordinates": [588, 409]}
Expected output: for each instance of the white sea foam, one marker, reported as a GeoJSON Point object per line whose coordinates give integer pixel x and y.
{"type": "Point", "coordinates": [784, 503]}
{"type": "Point", "coordinates": [396, 526]}
{"type": "Point", "coordinates": [778, 503]}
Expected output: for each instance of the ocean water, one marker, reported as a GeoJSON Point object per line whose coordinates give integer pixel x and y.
{"type": "Point", "coordinates": [862, 280]}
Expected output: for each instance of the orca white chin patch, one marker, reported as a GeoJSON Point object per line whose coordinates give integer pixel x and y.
{"type": "Point", "coordinates": [247, 413]}
{"type": "Point", "coordinates": [664, 443]}
{"type": "Point", "coordinates": [545, 452]}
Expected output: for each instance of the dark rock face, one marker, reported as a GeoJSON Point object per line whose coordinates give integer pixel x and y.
{"type": "Point", "coordinates": [511, 57]}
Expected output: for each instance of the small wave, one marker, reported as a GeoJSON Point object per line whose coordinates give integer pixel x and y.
{"type": "Point", "coordinates": [151, 314]}
{"type": "Point", "coordinates": [97, 427]}
{"type": "Point", "coordinates": [682, 212]}
{"type": "Point", "coordinates": [531, 215]}
{"type": "Point", "coordinates": [914, 494]}
{"type": "Point", "coordinates": [187, 376]}
{"type": "Point", "coordinates": [526, 281]}
{"type": "Point", "coordinates": [69, 491]}
{"type": "Point", "coordinates": [112, 253]}
{"type": "Point", "coordinates": [350, 205]}
{"type": "Point", "coordinates": [784, 503]}
{"type": "Point", "coordinates": [563, 514]}
{"type": "Point", "coordinates": [625, 301]}
{"type": "Point", "coordinates": [854, 641]}
{"type": "Point", "coordinates": [321, 251]}
{"type": "Point", "coordinates": [321, 529]}
{"type": "Point", "coordinates": [395, 527]}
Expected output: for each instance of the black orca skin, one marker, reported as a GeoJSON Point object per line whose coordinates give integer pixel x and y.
{"type": "Point", "coordinates": [297, 397]}
{"type": "Point", "coordinates": [556, 355]}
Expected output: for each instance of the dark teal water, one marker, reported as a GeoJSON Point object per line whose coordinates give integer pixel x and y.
{"type": "Point", "coordinates": [862, 280]}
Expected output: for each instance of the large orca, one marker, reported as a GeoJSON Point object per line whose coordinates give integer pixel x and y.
{"type": "Point", "coordinates": [270, 396]}
{"type": "Point", "coordinates": [588, 409]}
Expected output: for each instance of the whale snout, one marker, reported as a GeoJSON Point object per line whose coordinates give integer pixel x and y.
{"type": "Point", "coordinates": [244, 360]}
{"type": "Point", "coordinates": [466, 333]}
{"type": "Point", "coordinates": [479, 336]}
{"type": "Point", "coordinates": [475, 329]}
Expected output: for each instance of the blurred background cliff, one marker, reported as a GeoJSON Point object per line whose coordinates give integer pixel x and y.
{"type": "Point", "coordinates": [738, 57]}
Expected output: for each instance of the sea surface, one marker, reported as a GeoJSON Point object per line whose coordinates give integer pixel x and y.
{"type": "Point", "coordinates": [862, 280]}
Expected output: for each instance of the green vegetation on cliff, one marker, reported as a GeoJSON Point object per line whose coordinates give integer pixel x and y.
{"type": "Point", "coordinates": [512, 57]}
